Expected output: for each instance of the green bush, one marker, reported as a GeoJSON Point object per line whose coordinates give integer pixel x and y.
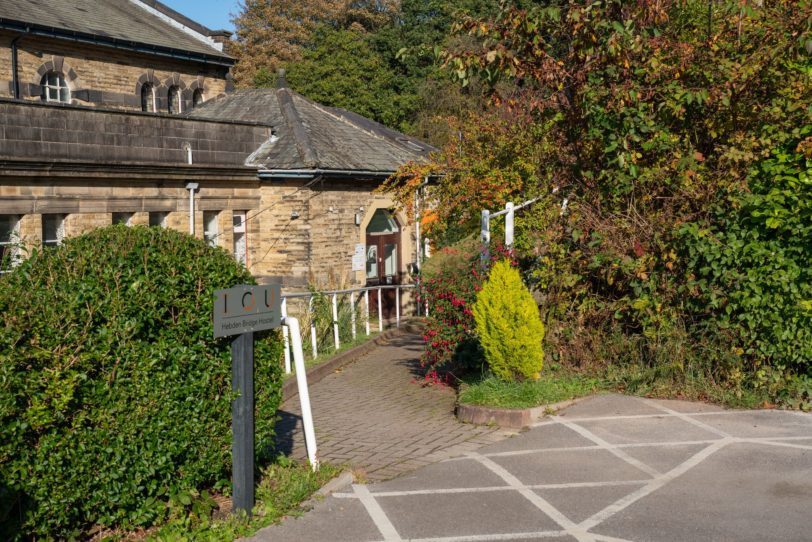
{"type": "Point", "coordinates": [508, 324]}
{"type": "Point", "coordinates": [114, 397]}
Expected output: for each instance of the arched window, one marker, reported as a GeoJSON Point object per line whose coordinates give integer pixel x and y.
{"type": "Point", "coordinates": [174, 101]}
{"type": "Point", "coordinates": [197, 97]}
{"type": "Point", "coordinates": [148, 98]}
{"type": "Point", "coordinates": [55, 88]}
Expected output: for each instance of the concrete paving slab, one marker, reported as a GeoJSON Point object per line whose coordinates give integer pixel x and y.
{"type": "Point", "coordinates": [761, 423]}
{"type": "Point", "coordinates": [664, 458]}
{"type": "Point", "coordinates": [580, 503]}
{"type": "Point", "coordinates": [647, 430]}
{"type": "Point", "coordinates": [609, 405]}
{"type": "Point", "coordinates": [453, 474]}
{"type": "Point", "coordinates": [349, 522]}
{"type": "Point", "coordinates": [564, 467]}
{"type": "Point", "coordinates": [546, 436]}
{"type": "Point", "coordinates": [461, 514]}
{"type": "Point", "coordinates": [744, 492]}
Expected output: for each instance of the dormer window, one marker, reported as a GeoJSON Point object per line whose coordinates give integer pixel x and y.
{"type": "Point", "coordinates": [55, 88]}
{"type": "Point", "coordinates": [197, 97]}
{"type": "Point", "coordinates": [175, 107]}
{"type": "Point", "coordinates": [148, 100]}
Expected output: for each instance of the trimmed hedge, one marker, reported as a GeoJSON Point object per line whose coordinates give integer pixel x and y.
{"type": "Point", "coordinates": [114, 396]}
{"type": "Point", "coordinates": [508, 324]}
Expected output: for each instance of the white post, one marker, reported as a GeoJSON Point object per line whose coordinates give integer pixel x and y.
{"type": "Point", "coordinates": [335, 321]}
{"type": "Point", "coordinates": [509, 225]}
{"type": "Point", "coordinates": [397, 306]}
{"type": "Point", "coordinates": [485, 234]}
{"type": "Point", "coordinates": [285, 338]}
{"type": "Point", "coordinates": [314, 342]}
{"type": "Point", "coordinates": [380, 310]}
{"type": "Point", "coordinates": [352, 312]}
{"type": "Point", "coordinates": [304, 395]}
{"type": "Point", "coordinates": [366, 312]}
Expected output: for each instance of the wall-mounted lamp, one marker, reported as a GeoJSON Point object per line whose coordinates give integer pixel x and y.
{"type": "Point", "coordinates": [294, 215]}
{"type": "Point", "coordinates": [358, 215]}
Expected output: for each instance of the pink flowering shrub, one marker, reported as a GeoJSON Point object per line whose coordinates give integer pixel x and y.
{"type": "Point", "coordinates": [450, 285]}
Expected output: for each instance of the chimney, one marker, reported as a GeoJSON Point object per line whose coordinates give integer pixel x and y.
{"type": "Point", "coordinates": [281, 81]}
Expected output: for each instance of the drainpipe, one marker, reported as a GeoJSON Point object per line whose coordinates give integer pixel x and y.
{"type": "Point", "coordinates": [191, 187]}
{"type": "Point", "coordinates": [15, 78]}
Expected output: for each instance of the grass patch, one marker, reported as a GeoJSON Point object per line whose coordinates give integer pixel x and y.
{"type": "Point", "coordinates": [283, 486]}
{"type": "Point", "coordinates": [552, 387]}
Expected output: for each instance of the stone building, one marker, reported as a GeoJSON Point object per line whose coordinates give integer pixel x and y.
{"type": "Point", "coordinates": [123, 111]}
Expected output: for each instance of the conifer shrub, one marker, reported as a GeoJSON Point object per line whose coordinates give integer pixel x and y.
{"type": "Point", "coordinates": [508, 324]}
{"type": "Point", "coordinates": [114, 396]}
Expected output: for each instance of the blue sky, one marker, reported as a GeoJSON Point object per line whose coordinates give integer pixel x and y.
{"type": "Point", "coordinates": [215, 14]}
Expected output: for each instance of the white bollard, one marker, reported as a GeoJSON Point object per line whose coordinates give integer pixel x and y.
{"type": "Point", "coordinates": [314, 342]}
{"type": "Point", "coordinates": [352, 311]}
{"type": "Point", "coordinates": [304, 395]}
{"type": "Point", "coordinates": [335, 321]}
{"type": "Point", "coordinates": [397, 306]}
{"type": "Point", "coordinates": [380, 310]}
{"type": "Point", "coordinates": [285, 338]}
{"type": "Point", "coordinates": [509, 219]}
{"type": "Point", "coordinates": [366, 312]}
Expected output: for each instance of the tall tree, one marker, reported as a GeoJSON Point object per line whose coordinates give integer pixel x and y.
{"type": "Point", "coordinates": [272, 33]}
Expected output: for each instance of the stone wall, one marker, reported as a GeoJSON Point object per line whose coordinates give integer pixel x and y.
{"type": "Point", "coordinates": [104, 76]}
{"type": "Point", "coordinates": [317, 247]}
{"type": "Point", "coordinates": [53, 132]}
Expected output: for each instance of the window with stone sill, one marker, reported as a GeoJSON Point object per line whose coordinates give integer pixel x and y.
{"type": "Point", "coordinates": [53, 230]}
{"type": "Point", "coordinates": [175, 107]}
{"type": "Point", "coordinates": [9, 238]}
{"type": "Point", "coordinates": [55, 88]}
{"type": "Point", "coordinates": [240, 243]}
{"type": "Point", "coordinates": [197, 97]}
{"type": "Point", "coordinates": [148, 98]}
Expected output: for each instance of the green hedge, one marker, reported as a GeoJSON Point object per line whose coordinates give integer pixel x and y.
{"type": "Point", "coordinates": [114, 396]}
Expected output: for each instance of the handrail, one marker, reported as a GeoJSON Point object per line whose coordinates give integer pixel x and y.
{"type": "Point", "coordinates": [310, 295]}
{"type": "Point", "coordinates": [346, 291]}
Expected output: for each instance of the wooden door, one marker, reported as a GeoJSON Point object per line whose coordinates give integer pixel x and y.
{"type": "Point", "coordinates": [383, 255]}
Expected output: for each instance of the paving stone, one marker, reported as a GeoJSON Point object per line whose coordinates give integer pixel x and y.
{"type": "Point", "coordinates": [372, 415]}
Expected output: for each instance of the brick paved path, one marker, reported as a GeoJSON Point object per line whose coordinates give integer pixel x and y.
{"type": "Point", "coordinates": [370, 415]}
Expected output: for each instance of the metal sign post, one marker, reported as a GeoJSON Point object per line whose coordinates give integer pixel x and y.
{"type": "Point", "coordinates": [241, 311]}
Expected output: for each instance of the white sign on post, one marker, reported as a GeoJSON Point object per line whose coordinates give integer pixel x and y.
{"type": "Point", "coordinates": [359, 258]}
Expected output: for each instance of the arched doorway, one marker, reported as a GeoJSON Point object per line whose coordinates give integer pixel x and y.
{"type": "Point", "coordinates": [383, 246]}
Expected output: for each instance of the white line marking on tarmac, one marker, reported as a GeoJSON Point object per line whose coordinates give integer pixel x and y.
{"type": "Point", "coordinates": [643, 416]}
{"type": "Point", "coordinates": [776, 443]}
{"type": "Point", "coordinates": [654, 485]}
{"type": "Point", "coordinates": [605, 538]}
{"type": "Point", "coordinates": [540, 503]}
{"type": "Point", "coordinates": [376, 513]}
{"type": "Point", "coordinates": [486, 489]}
{"type": "Point", "coordinates": [686, 418]}
{"type": "Point", "coordinates": [493, 537]}
{"type": "Point", "coordinates": [620, 454]}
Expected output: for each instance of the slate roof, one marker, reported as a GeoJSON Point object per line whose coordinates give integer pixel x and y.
{"type": "Point", "coordinates": [310, 136]}
{"type": "Point", "coordinates": [122, 22]}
